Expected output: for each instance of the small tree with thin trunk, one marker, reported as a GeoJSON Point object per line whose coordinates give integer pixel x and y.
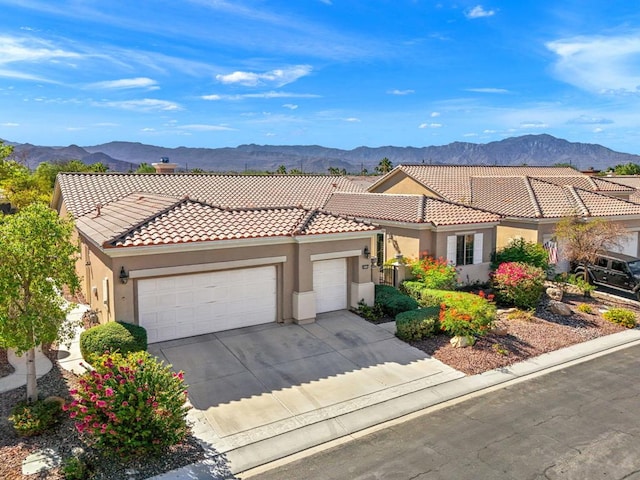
{"type": "Point", "coordinates": [584, 239]}
{"type": "Point", "coordinates": [36, 260]}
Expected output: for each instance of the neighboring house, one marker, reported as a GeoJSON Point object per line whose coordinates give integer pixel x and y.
{"type": "Point", "coordinates": [415, 224]}
{"type": "Point", "coordinates": [530, 200]}
{"type": "Point", "coordinates": [630, 181]}
{"type": "Point", "coordinates": [185, 255]}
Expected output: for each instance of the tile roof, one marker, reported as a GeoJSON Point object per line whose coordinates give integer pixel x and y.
{"type": "Point", "coordinates": [406, 208]}
{"type": "Point", "coordinates": [453, 182]}
{"type": "Point", "coordinates": [632, 181]}
{"type": "Point", "coordinates": [81, 192]}
{"type": "Point", "coordinates": [536, 198]}
{"type": "Point", "coordinates": [161, 220]}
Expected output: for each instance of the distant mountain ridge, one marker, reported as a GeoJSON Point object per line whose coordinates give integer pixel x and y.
{"type": "Point", "coordinates": [541, 149]}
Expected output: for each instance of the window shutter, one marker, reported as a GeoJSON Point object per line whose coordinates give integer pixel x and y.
{"type": "Point", "coordinates": [451, 249]}
{"type": "Point", "coordinates": [477, 248]}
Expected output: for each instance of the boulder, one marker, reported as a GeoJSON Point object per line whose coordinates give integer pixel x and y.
{"type": "Point", "coordinates": [559, 308]}
{"type": "Point", "coordinates": [464, 341]}
{"type": "Point", "coordinates": [555, 293]}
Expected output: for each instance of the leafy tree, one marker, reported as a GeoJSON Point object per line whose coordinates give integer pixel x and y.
{"type": "Point", "coordinates": [627, 169]}
{"type": "Point", "coordinates": [295, 171]}
{"type": "Point", "coordinates": [98, 167]}
{"type": "Point", "coordinates": [385, 166]}
{"type": "Point", "coordinates": [282, 170]}
{"type": "Point", "coordinates": [36, 260]}
{"type": "Point", "coordinates": [583, 239]}
{"type": "Point", "coordinates": [334, 171]}
{"type": "Point", "coordinates": [522, 251]}
{"type": "Point", "coordinates": [196, 170]}
{"type": "Point", "coordinates": [145, 168]}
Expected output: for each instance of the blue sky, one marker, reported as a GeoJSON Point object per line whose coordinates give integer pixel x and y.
{"type": "Point", "coordinates": [337, 73]}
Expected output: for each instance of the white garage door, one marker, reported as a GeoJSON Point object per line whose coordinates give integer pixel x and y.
{"type": "Point", "coordinates": [330, 284]}
{"type": "Point", "coordinates": [186, 305]}
{"type": "Point", "coordinates": [629, 245]}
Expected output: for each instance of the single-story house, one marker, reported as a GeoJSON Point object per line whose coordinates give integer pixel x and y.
{"type": "Point", "coordinates": [414, 224]}
{"type": "Point", "coordinates": [530, 200]}
{"type": "Point", "coordinates": [156, 250]}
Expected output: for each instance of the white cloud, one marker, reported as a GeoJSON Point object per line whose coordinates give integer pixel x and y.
{"type": "Point", "coordinates": [196, 127]}
{"type": "Point", "coordinates": [352, 120]}
{"type": "Point", "coordinates": [487, 90]}
{"type": "Point", "coordinates": [598, 63]}
{"type": "Point", "coordinates": [533, 125]}
{"type": "Point", "coordinates": [267, 95]}
{"type": "Point", "coordinates": [148, 129]}
{"type": "Point", "coordinates": [587, 120]}
{"type": "Point", "coordinates": [489, 131]}
{"type": "Point", "coordinates": [470, 135]}
{"type": "Point", "coordinates": [597, 130]}
{"type": "Point", "coordinates": [278, 77]}
{"type": "Point", "coordinates": [434, 114]}
{"type": "Point", "coordinates": [124, 83]}
{"type": "Point", "coordinates": [144, 105]}
{"type": "Point", "coordinates": [290, 106]}
{"type": "Point", "coordinates": [13, 50]}
{"type": "Point", "coordinates": [478, 12]}
{"type": "Point", "coordinates": [400, 92]}
{"type": "Point", "coordinates": [430, 125]}
{"type": "Point", "coordinates": [9, 124]}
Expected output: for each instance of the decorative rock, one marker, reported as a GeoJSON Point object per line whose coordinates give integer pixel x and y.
{"type": "Point", "coordinates": [555, 293]}
{"type": "Point", "coordinates": [559, 308]}
{"type": "Point", "coordinates": [41, 460]}
{"type": "Point", "coordinates": [460, 342]}
{"type": "Point", "coordinates": [500, 331]}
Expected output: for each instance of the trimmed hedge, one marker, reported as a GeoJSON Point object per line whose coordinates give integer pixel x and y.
{"type": "Point", "coordinates": [111, 337]}
{"type": "Point", "coordinates": [417, 324]}
{"type": "Point", "coordinates": [392, 301]}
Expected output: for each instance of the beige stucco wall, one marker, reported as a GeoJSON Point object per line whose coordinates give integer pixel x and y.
{"type": "Point", "coordinates": [401, 183]}
{"type": "Point", "coordinates": [508, 231]}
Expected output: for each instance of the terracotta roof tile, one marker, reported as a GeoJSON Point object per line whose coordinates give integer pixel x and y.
{"type": "Point", "coordinates": [186, 221]}
{"type": "Point", "coordinates": [83, 191]}
{"type": "Point", "coordinates": [537, 198]}
{"type": "Point", "coordinates": [406, 208]}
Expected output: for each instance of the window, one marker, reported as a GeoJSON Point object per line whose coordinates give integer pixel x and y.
{"type": "Point", "coordinates": [602, 262]}
{"type": "Point", "coordinates": [464, 249]}
{"type": "Point", "coordinates": [617, 266]}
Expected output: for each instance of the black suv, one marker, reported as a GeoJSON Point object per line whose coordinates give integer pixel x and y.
{"type": "Point", "coordinates": [614, 270]}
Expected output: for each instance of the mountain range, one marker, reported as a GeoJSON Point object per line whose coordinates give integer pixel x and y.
{"type": "Point", "coordinates": [528, 149]}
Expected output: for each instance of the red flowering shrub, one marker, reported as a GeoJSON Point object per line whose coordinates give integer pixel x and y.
{"type": "Point", "coordinates": [518, 284]}
{"type": "Point", "coordinates": [465, 314]}
{"type": "Point", "coordinates": [434, 273]}
{"type": "Point", "coordinates": [130, 405]}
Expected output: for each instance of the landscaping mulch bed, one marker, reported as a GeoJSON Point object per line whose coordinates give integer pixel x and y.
{"type": "Point", "coordinates": [528, 336]}
{"type": "Point", "coordinates": [64, 437]}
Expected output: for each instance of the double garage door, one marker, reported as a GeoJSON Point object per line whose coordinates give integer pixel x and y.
{"type": "Point", "coordinates": [186, 305]}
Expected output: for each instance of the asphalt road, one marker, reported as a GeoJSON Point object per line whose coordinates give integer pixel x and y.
{"type": "Point", "coordinates": [579, 423]}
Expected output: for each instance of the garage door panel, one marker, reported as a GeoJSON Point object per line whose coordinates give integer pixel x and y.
{"type": "Point", "coordinates": [195, 304]}
{"type": "Point", "coordinates": [330, 284]}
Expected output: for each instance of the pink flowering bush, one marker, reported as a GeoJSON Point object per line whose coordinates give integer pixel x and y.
{"type": "Point", "coordinates": [434, 273]}
{"type": "Point", "coordinates": [130, 405]}
{"type": "Point", "coordinates": [518, 284]}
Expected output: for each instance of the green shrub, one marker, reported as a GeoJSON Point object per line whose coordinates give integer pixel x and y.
{"type": "Point", "coordinates": [578, 281]}
{"type": "Point", "coordinates": [75, 468]}
{"type": "Point", "coordinates": [35, 418]}
{"type": "Point", "coordinates": [370, 313]}
{"type": "Point", "coordinates": [392, 301]}
{"type": "Point", "coordinates": [111, 337]}
{"type": "Point", "coordinates": [621, 316]}
{"type": "Point", "coordinates": [465, 314]}
{"type": "Point", "coordinates": [417, 324]}
{"type": "Point", "coordinates": [130, 405]}
{"type": "Point", "coordinates": [518, 284]}
{"type": "Point", "coordinates": [413, 288]}
{"type": "Point", "coordinates": [521, 251]}
{"type": "Point", "coordinates": [434, 273]}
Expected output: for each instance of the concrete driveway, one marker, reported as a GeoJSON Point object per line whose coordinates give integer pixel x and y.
{"type": "Point", "coordinates": [250, 384]}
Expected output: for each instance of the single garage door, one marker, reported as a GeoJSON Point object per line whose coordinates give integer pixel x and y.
{"type": "Point", "coordinates": [330, 284]}
{"type": "Point", "coordinates": [186, 305]}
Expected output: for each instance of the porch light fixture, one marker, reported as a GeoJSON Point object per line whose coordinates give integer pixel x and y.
{"type": "Point", "coordinates": [366, 252]}
{"type": "Point", "coordinates": [124, 276]}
